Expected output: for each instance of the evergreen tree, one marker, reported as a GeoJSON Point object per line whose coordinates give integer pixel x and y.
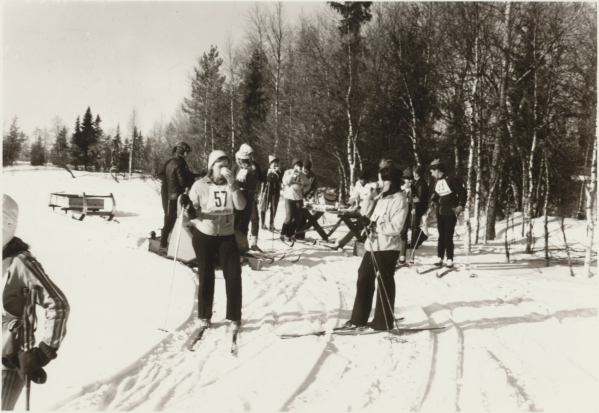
{"type": "Point", "coordinates": [116, 147]}
{"type": "Point", "coordinates": [38, 153]}
{"type": "Point", "coordinates": [254, 108]}
{"type": "Point", "coordinates": [12, 144]}
{"type": "Point", "coordinates": [84, 137]}
{"type": "Point", "coordinates": [59, 155]}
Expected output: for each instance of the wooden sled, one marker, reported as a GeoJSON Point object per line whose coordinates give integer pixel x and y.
{"type": "Point", "coordinates": [82, 205]}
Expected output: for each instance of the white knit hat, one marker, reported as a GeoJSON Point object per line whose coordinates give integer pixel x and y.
{"type": "Point", "coordinates": [245, 152]}
{"type": "Point", "coordinates": [10, 218]}
{"type": "Point", "coordinates": [214, 156]}
{"type": "Point", "coordinates": [272, 158]}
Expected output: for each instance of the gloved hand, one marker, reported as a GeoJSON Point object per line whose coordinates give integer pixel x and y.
{"type": "Point", "coordinates": [31, 362]}
{"type": "Point", "coordinates": [36, 358]}
{"type": "Point", "coordinates": [372, 226]}
{"type": "Point", "coordinates": [185, 201]}
{"type": "Point", "coordinates": [458, 210]}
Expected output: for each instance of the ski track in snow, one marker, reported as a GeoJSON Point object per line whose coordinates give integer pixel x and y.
{"type": "Point", "coordinates": [517, 339]}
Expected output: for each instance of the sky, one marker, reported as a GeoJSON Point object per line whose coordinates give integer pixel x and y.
{"type": "Point", "coordinates": [59, 58]}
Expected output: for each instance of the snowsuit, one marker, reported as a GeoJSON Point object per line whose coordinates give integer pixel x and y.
{"type": "Point", "coordinates": [390, 215]}
{"type": "Point", "coordinates": [271, 193]}
{"type": "Point", "coordinates": [19, 270]}
{"type": "Point", "coordinates": [176, 178]}
{"type": "Point", "coordinates": [449, 193]}
{"type": "Point", "coordinates": [294, 183]}
{"type": "Point", "coordinates": [214, 235]}
{"type": "Point", "coordinates": [309, 190]}
{"type": "Point", "coordinates": [249, 185]}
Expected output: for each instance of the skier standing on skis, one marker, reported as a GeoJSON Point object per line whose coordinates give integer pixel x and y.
{"type": "Point", "coordinates": [271, 192]}
{"type": "Point", "coordinates": [309, 192]}
{"type": "Point", "coordinates": [294, 182]}
{"type": "Point", "coordinates": [249, 176]}
{"type": "Point", "coordinates": [408, 191]}
{"type": "Point", "coordinates": [176, 179]}
{"type": "Point", "coordinates": [382, 250]}
{"type": "Point", "coordinates": [22, 274]}
{"type": "Point", "coordinates": [214, 199]}
{"type": "Point", "coordinates": [450, 198]}
{"type": "Point", "coordinates": [420, 197]}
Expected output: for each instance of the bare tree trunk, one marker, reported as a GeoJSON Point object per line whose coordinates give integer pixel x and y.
{"type": "Point", "coordinates": [581, 196]}
{"type": "Point", "coordinates": [232, 121]}
{"type": "Point", "coordinates": [591, 195]}
{"type": "Point", "coordinates": [524, 189]}
{"type": "Point", "coordinates": [497, 153]}
{"type": "Point", "coordinates": [528, 211]}
{"type": "Point", "coordinates": [545, 207]}
{"type": "Point", "coordinates": [477, 189]}
{"type": "Point", "coordinates": [350, 134]}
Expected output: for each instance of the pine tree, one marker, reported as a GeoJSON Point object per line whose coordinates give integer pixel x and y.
{"type": "Point", "coordinates": [38, 153]}
{"type": "Point", "coordinates": [254, 108]}
{"type": "Point", "coordinates": [59, 154]}
{"type": "Point", "coordinates": [84, 137]}
{"type": "Point", "coordinates": [12, 144]}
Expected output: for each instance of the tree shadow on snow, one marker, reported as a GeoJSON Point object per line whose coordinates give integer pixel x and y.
{"type": "Point", "coordinates": [487, 323]}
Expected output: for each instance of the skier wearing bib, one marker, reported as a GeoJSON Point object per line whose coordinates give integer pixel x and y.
{"type": "Point", "coordinates": [294, 182]}
{"type": "Point", "coordinates": [21, 271]}
{"type": "Point", "coordinates": [450, 198]}
{"type": "Point", "coordinates": [249, 176]}
{"type": "Point", "coordinates": [215, 197]}
{"type": "Point", "coordinates": [382, 251]}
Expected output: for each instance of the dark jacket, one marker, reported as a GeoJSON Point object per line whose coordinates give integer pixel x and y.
{"type": "Point", "coordinates": [176, 177]}
{"type": "Point", "coordinates": [252, 179]}
{"type": "Point", "coordinates": [272, 186]}
{"type": "Point", "coordinates": [449, 193]}
{"type": "Point", "coordinates": [308, 192]}
{"type": "Point", "coordinates": [420, 190]}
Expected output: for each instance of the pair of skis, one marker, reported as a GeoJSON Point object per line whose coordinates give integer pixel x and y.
{"type": "Point", "coordinates": [359, 331]}
{"type": "Point", "coordinates": [199, 334]}
{"type": "Point", "coordinates": [270, 258]}
{"type": "Point", "coordinates": [440, 271]}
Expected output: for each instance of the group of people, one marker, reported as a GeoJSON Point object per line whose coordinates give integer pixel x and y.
{"type": "Point", "coordinates": [389, 208]}
{"type": "Point", "coordinates": [234, 194]}
{"type": "Point", "coordinates": [230, 196]}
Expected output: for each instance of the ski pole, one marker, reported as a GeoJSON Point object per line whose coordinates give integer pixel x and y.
{"type": "Point", "coordinates": [168, 304]}
{"type": "Point", "coordinates": [380, 279]}
{"type": "Point", "coordinates": [29, 326]}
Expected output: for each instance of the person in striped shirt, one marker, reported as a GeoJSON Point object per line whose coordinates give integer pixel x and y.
{"type": "Point", "coordinates": [21, 271]}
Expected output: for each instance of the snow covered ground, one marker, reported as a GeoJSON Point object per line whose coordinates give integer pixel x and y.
{"type": "Point", "coordinates": [517, 337]}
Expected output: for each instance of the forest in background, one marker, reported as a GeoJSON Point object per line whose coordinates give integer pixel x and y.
{"type": "Point", "coordinates": [504, 93]}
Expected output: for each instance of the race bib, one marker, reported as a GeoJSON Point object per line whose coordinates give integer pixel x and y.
{"type": "Point", "coordinates": [442, 188]}
{"type": "Point", "coordinates": [219, 201]}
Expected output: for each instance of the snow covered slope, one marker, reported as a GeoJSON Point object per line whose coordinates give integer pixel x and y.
{"type": "Point", "coordinates": [517, 336]}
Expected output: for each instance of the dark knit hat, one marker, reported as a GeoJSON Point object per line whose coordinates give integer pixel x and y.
{"type": "Point", "coordinates": [407, 174]}
{"type": "Point", "coordinates": [308, 164]}
{"type": "Point", "coordinates": [296, 161]}
{"type": "Point", "coordinates": [385, 162]}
